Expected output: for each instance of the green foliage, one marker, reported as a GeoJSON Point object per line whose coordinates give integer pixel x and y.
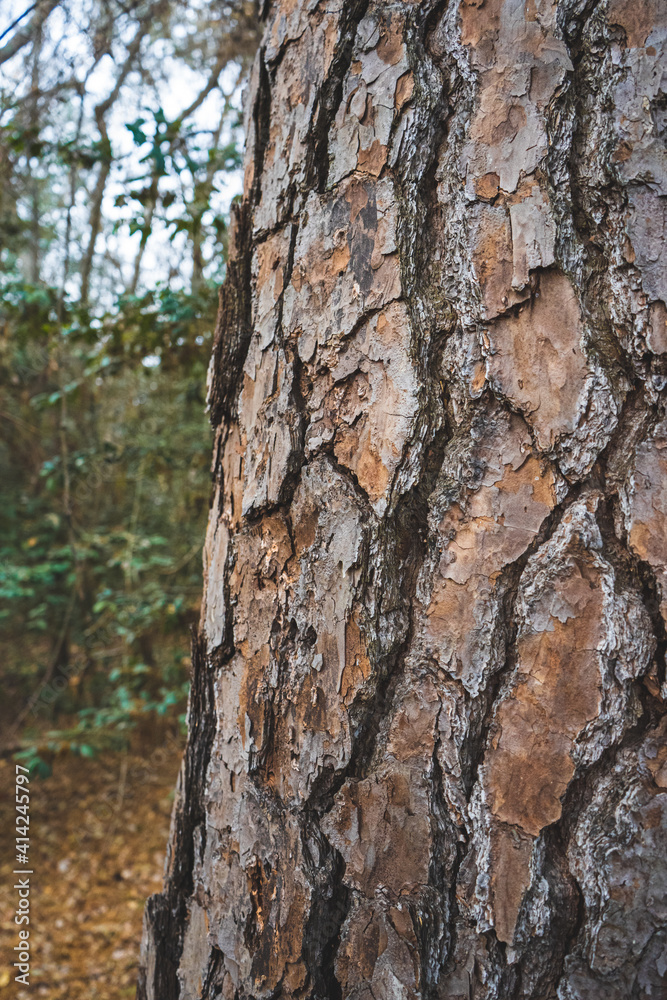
{"type": "Point", "coordinates": [113, 239]}
{"type": "Point", "coordinates": [104, 491]}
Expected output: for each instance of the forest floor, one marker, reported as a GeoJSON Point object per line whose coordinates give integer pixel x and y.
{"type": "Point", "coordinates": [98, 833]}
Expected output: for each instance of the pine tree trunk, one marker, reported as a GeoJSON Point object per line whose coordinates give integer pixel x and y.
{"type": "Point", "coordinates": [427, 751]}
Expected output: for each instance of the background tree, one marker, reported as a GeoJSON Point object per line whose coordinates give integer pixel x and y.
{"type": "Point", "coordinates": [427, 724]}
{"type": "Point", "coordinates": [115, 193]}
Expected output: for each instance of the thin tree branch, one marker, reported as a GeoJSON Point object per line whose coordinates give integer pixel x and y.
{"type": "Point", "coordinates": [18, 20]}
{"type": "Point", "coordinates": [42, 10]}
{"type": "Point", "coordinates": [101, 109]}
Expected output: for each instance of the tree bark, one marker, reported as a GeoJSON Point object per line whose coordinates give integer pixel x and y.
{"type": "Point", "coordinates": [427, 750]}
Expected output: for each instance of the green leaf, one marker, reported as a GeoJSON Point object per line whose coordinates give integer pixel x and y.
{"type": "Point", "coordinates": [138, 133]}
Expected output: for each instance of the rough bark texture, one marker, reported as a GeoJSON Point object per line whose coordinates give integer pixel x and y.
{"type": "Point", "coordinates": [427, 753]}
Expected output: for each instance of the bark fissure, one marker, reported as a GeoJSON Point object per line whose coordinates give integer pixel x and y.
{"type": "Point", "coordinates": [167, 912]}
{"type": "Point", "coordinates": [330, 95]}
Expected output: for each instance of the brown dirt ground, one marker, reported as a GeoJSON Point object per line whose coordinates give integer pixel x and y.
{"type": "Point", "coordinates": [98, 832]}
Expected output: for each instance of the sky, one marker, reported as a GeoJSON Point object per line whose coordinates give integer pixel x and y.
{"type": "Point", "coordinates": [174, 87]}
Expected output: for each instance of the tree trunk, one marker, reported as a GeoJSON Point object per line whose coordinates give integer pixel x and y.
{"type": "Point", "coordinates": [427, 750]}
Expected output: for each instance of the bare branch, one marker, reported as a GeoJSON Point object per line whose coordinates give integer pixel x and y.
{"type": "Point", "coordinates": [18, 20]}
{"type": "Point", "coordinates": [42, 10]}
{"type": "Point", "coordinates": [101, 110]}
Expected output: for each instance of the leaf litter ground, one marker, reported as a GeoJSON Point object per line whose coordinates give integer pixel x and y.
{"type": "Point", "coordinates": [98, 833]}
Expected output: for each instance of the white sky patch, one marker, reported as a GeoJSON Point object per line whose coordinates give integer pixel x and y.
{"type": "Point", "coordinates": [168, 83]}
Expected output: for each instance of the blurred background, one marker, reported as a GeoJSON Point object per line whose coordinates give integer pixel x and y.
{"type": "Point", "coordinates": [121, 139]}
